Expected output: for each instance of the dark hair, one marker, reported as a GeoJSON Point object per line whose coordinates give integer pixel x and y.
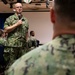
{"type": "Point", "coordinates": [31, 32]}
{"type": "Point", "coordinates": [65, 8]}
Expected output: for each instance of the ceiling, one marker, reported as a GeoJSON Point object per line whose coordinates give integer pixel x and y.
{"type": "Point", "coordinates": [33, 6]}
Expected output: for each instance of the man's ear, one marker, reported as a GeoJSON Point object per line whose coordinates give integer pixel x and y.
{"type": "Point", "coordinates": [52, 15]}
{"type": "Point", "coordinates": [14, 10]}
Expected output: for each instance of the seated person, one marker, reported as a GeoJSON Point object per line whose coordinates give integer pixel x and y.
{"type": "Point", "coordinates": [32, 41]}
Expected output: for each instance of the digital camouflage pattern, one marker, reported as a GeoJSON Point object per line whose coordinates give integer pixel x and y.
{"type": "Point", "coordinates": [17, 37]}
{"type": "Point", "coordinates": [54, 58]}
{"type": "Point", "coordinates": [2, 41]}
{"type": "Point", "coordinates": [16, 41]}
{"type": "Point", "coordinates": [32, 43]}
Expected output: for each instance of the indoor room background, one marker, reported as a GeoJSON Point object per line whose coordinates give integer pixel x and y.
{"type": "Point", "coordinates": [39, 22]}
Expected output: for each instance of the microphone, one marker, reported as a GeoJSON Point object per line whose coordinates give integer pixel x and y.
{"type": "Point", "coordinates": [19, 16]}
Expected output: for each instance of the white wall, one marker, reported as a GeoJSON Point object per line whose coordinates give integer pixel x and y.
{"type": "Point", "coordinates": [41, 24]}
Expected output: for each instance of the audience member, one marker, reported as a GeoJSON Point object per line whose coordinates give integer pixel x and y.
{"type": "Point", "coordinates": [58, 56]}
{"type": "Point", "coordinates": [32, 41]}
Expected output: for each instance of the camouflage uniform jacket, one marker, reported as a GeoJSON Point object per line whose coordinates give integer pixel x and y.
{"type": "Point", "coordinates": [16, 38]}
{"type": "Point", "coordinates": [32, 41]}
{"type": "Point", "coordinates": [54, 58]}
{"type": "Point", "coordinates": [2, 41]}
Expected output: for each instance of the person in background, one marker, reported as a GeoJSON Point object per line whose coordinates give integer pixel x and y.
{"type": "Point", "coordinates": [3, 36]}
{"type": "Point", "coordinates": [32, 41]}
{"type": "Point", "coordinates": [17, 27]}
{"type": "Point", "coordinates": [2, 60]}
{"type": "Point", "coordinates": [56, 57]}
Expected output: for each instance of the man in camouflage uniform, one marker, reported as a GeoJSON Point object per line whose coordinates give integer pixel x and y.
{"type": "Point", "coordinates": [58, 56]}
{"type": "Point", "coordinates": [32, 41]}
{"type": "Point", "coordinates": [17, 28]}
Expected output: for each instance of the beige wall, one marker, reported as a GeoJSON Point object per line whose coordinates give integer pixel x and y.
{"type": "Point", "coordinates": [41, 24]}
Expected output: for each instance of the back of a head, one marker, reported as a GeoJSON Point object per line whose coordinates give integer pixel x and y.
{"type": "Point", "coordinates": [65, 8]}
